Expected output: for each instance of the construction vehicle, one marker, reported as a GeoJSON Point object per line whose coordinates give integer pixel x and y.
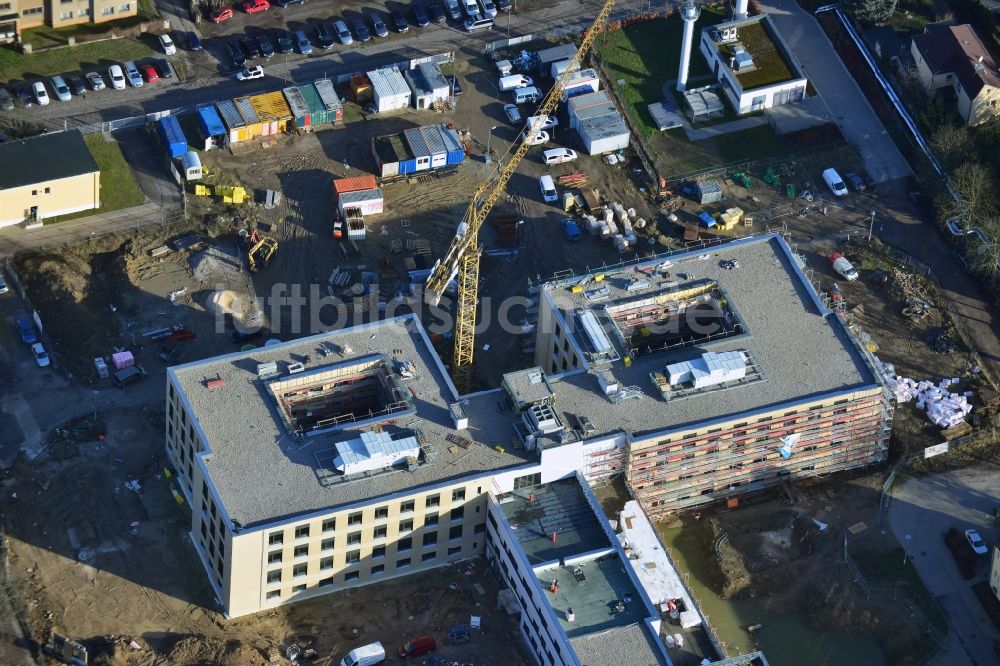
{"type": "Point", "coordinates": [66, 651]}
{"type": "Point", "coordinates": [461, 261]}
{"type": "Point", "coordinates": [262, 250]}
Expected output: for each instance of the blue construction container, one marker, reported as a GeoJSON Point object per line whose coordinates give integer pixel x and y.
{"type": "Point", "coordinates": [417, 149]}
{"type": "Point", "coordinates": [173, 136]}
{"type": "Point", "coordinates": [210, 123]}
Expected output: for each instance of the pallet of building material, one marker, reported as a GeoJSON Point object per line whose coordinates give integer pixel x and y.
{"type": "Point", "coordinates": [691, 232]}
{"type": "Point", "coordinates": [419, 246]}
{"type": "Point", "coordinates": [593, 199]}
{"type": "Point", "coordinates": [575, 179]}
{"type": "Point", "coordinates": [960, 430]}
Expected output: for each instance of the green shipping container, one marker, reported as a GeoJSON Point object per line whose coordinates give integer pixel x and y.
{"type": "Point", "coordinates": [318, 112]}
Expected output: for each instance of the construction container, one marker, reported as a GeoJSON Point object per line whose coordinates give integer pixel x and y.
{"type": "Point", "coordinates": [427, 85]}
{"type": "Point", "coordinates": [709, 191]}
{"type": "Point", "coordinates": [330, 101]}
{"type": "Point", "coordinates": [561, 52]}
{"type": "Point", "coordinates": [172, 136]}
{"type": "Point", "coordinates": [298, 106]}
{"type": "Point", "coordinates": [355, 226]}
{"type": "Point", "coordinates": [360, 89]}
{"type": "Point", "coordinates": [389, 90]}
{"type": "Point", "coordinates": [234, 122]}
{"type": "Point", "coordinates": [273, 111]}
{"type": "Point", "coordinates": [367, 202]}
{"type": "Point", "coordinates": [559, 67]}
{"type": "Point", "coordinates": [210, 125]}
{"type": "Point", "coordinates": [191, 166]}
{"type": "Point", "coordinates": [580, 83]}
{"type": "Point", "coordinates": [342, 186]}
{"type": "Point", "coordinates": [255, 126]}
{"type": "Point", "coordinates": [569, 201]}
{"type": "Point", "coordinates": [417, 149]}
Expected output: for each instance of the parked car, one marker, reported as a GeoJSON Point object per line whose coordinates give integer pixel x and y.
{"type": "Point", "coordinates": [168, 45]}
{"type": "Point", "coordinates": [489, 9]}
{"type": "Point", "coordinates": [3, 285]}
{"type": "Point", "coordinates": [571, 229]}
{"type": "Point", "coordinates": [23, 94]}
{"type": "Point", "coordinates": [236, 55]}
{"type": "Point", "coordinates": [855, 181]}
{"type": "Point", "coordinates": [843, 267]}
{"type": "Point", "coordinates": [420, 16]}
{"type": "Point", "coordinates": [41, 94]}
{"type": "Point", "coordinates": [266, 48]}
{"type": "Point", "coordinates": [505, 5]}
{"type": "Point", "coordinates": [513, 115]}
{"type": "Point", "coordinates": [834, 182]}
{"type": "Point", "coordinates": [150, 74]}
{"type": "Point", "coordinates": [26, 330]}
{"type": "Point", "coordinates": [6, 101]}
{"type": "Point", "coordinates": [302, 42]}
{"type": "Point", "coordinates": [323, 35]}
{"type": "Point", "coordinates": [117, 77]}
{"type": "Point", "coordinates": [132, 72]}
{"type": "Point", "coordinates": [249, 47]}
{"type": "Point", "coordinates": [540, 138]}
{"type": "Point", "coordinates": [62, 90]}
{"type": "Point", "coordinates": [41, 356]}
{"type": "Point", "coordinates": [78, 85]}
{"type": "Point", "coordinates": [558, 156]}
{"type": "Point", "coordinates": [194, 42]}
{"type": "Point", "coordinates": [285, 3]}
{"type": "Point", "coordinates": [360, 30]}
{"type": "Point", "coordinates": [418, 647]}
{"type": "Point", "coordinates": [221, 14]}
{"type": "Point", "coordinates": [95, 81]}
{"type": "Point", "coordinates": [976, 542]}
{"type": "Point", "coordinates": [437, 12]}
{"type": "Point", "coordinates": [399, 21]}
{"type": "Point", "coordinates": [546, 122]}
{"type": "Point", "coordinates": [255, 6]}
{"type": "Point", "coordinates": [282, 41]}
{"type": "Point", "coordinates": [378, 25]}
{"type": "Point", "coordinates": [343, 34]}
{"type": "Point", "coordinates": [163, 67]}
{"type": "Point", "coordinates": [129, 375]}
{"type": "Point", "coordinates": [255, 72]}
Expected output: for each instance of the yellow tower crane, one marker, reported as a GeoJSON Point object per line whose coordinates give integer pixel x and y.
{"type": "Point", "coordinates": [462, 258]}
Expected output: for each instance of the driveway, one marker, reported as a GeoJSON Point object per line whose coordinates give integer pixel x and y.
{"type": "Point", "coordinates": [836, 87]}
{"type": "Point", "coordinates": [922, 510]}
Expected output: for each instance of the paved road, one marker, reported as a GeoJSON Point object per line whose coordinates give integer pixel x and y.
{"type": "Point", "coordinates": [926, 507]}
{"type": "Point", "coordinates": [833, 83]}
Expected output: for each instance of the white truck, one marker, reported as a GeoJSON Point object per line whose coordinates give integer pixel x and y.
{"type": "Point", "coordinates": [367, 655]}
{"type": "Point", "coordinates": [843, 267]}
{"type": "Point", "coordinates": [515, 81]}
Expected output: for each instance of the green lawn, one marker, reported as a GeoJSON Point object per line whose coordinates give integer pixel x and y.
{"type": "Point", "coordinates": [15, 65]}
{"type": "Point", "coordinates": [770, 65]}
{"type": "Point", "coordinates": [118, 187]}
{"type": "Point", "coordinates": [886, 568]}
{"type": "Point", "coordinates": [752, 144]}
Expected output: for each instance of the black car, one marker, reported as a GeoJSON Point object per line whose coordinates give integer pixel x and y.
{"type": "Point", "coordinates": [323, 36]}
{"type": "Point", "coordinates": [504, 5]}
{"type": "Point", "coordinates": [194, 43]}
{"type": "Point", "coordinates": [236, 54]}
{"type": "Point", "coordinates": [855, 181]}
{"type": "Point", "coordinates": [283, 41]}
{"type": "Point", "coordinates": [24, 95]}
{"type": "Point", "coordinates": [378, 25]}
{"type": "Point", "coordinates": [360, 30]}
{"type": "Point", "coordinates": [163, 67]}
{"type": "Point", "coordinates": [78, 85]}
{"type": "Point", "coordinates": [266, 48]}
{"type": "Point", "coordinates": [6, 100]}
{"type": "Point", "coordinates": [420, 16]}
{"type": "Point", "coordinates": [250, 48]}
{"type": "Point", "coordinates": [399, 21]}
{"type": "Point", "coordinates": [438, 14]}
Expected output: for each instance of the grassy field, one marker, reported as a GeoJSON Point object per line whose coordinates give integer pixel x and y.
{"type": "Point", "coordinates": [887, 568]}
{"type": "Point", "coordinates": [770, 66]}
{"type": "Point", "coordinates": [118, 187]}
{"type": "Point", "coordinates": [15, 65]}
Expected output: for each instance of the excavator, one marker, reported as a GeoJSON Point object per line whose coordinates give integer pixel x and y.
{"type": "Point", "coordinates": [461, 261]}
{"type": "Point", "coordinates": [262, 250]}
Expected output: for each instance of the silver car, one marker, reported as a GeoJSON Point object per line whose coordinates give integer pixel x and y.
{"type": "Point", "coordinates": [63, 93]}
{"type": "Point", "coordinates": [343, 33]}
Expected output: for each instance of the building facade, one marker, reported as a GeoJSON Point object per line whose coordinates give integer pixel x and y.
{"type": "Point", "coordinates": [17, 15]}
{"type": "Point", "coordinates": [954, 57]}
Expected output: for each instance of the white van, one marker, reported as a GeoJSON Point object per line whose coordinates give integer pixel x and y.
{"type": "Point", "coordinates": [477, 22]}
{"type": "Point", "coordinates": [365, 655]}
{"type": "Point", "coordinates": [515, 81]}
{"type": "Point", "coordinates": [558, 156]}
{"type": "Point", "coordinates": [549, 194]}
{"type": "Point", "coordinates": [471, 8]}
{"type": "Point", "coordinates": [525, 95]}
{"type": "Point", "coordinates": [835, 182]}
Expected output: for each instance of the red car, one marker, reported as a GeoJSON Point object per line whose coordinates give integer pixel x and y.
{"type": "Point", "coordinates": [149, 73]}
{"type": "Point", "coordinates": [254, 6]}
{"type": "Point", "coordinates": [222, 14]}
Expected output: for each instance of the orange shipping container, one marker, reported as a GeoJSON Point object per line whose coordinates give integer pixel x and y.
{"type": "Point", "coordinates": [355, 184]}
{"type": "Point", "coordinates": [361, 89]}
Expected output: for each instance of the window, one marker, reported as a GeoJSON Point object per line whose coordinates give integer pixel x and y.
{"type": "Point", "coordinates": [455, 532]}
{"type": "Point", "coordinates": [83, 12]}
{"type": "Point", "coordinates": [302, 532]}
{"type": "Point", "coordinates": [527, 481]}
{"type": "Point", "coordinates": [405, 526]}
{"type": "Point", "coordinates": [274, 594]}
{"type": "Point", "coordinates": [354, 518]}
{"type": "Point", "coordinates": [380, 532]}
{"type": "Point", "coordinates": [458, 495]}
{"type": "Point", "coordinates": [403, 563]}
{"type": "Point", "coordinates": [353, 556]}
{"type": "Point", "coordinates": [404, 544]}
{"type": "Point", "coordinates": [302, 551]}
{"type": "Point", "coordinates": [427, 557]}
{"type": "Point", "coordinates": [65, 16]}
{"type": "Point", "coordinates": [480, 528]}
{"type": "Point", "coordinates": [107, 11]}
{"type": "Point", "coordinates": [433, 500]}
{"type": "Point", "coordinates": [326, 563]}
{"type": "Point", "coordinates": [377, 569]}
{"type": "Point", "coordinates": [326, 582]}
{"type": "Point", "coordinates": [354, 538]}
{"type": "Point", "coordinates": [125, 8]}
{"type": "Point", "coordinates": [300, 570]}
{"type": "Point", "coordinates": [431, 519]}
{"type": "Point", "coordinates": [329, 525]}
{"type": "Point", "coordinates": [430, 538]}
{"type": "Point", "coordinates": [33, 10]}
{"type": "Point", "coordinates": [381, 512]}
{"type": "Point", "coordinates": [274, 576]}
{"type": "Point", "coordinates": [378, 552]}
{"type": "Point", "coordinates": [326, 544]}
{"type": "Point", "coordinates": [34, 193]}
{"type": "Point", "coordinates": [275, 538]}
{"type": "Point", "coordinates": [273, 558]}
{"type": "Point", "coordinates": [406, 507]}
{"type": "Point", "coordinates": [456, 514]}
{"type": "Point", "coordinates": [452, 552]}
{"type": "Point", "coordinates": [351, 575]}
{"type": "Point", "coordinates": [299, 588]}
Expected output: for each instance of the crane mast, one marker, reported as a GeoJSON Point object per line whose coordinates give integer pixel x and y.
{"type": "Point", "coordinates": [462, 259]}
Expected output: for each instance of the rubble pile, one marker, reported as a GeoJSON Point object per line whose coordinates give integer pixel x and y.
{"type": "Point", "coordinates": [944, 408]}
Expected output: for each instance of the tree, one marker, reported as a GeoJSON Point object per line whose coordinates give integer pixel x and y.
{"type": "Point", "coordinates": [952, 144]}
{"type": "Point", "coordinates": [870, 11]}
{"type": "Point", "coordinates": [977, 201]}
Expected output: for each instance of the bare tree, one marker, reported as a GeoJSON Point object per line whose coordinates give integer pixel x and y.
{"type": "Point", "coordinates": [952, 144]}
{"type": "Point", "coordinates": [976, 202]}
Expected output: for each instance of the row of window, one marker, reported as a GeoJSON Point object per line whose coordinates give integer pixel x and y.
{"type": "Point", "coordinates": [326, 545]}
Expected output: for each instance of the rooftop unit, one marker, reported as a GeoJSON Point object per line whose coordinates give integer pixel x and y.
{"type": "Point", "coordinates": [375, 451]}
{"type": "Point", "coordinates": [540, 424]}
{"type": "Point", "coordinates": [527, 388]}
{"type": "Point", "coordinates": [711, 369]}
{"type": "Point", "coordinates": [740, 59]}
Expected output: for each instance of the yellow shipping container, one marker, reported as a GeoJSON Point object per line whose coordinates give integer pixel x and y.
{"type": "Point", "coordinates": [273, 108]}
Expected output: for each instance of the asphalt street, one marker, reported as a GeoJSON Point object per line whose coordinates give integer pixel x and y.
{"type": "Point", "coordinates": [922, 510]}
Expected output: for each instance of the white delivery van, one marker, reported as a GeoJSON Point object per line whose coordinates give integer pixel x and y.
{"type": "Point", "coordinates": [834, 182]}
{"type": "Point", "coordinates": [514, 81]}
{"type": "Point", "coordinates": [471, 8]}
{"type": "Point", "coordinates": [474, 23]}
{"type": "Point", "coordinates": [525, 95]}
{"type": "Point", "coordinates": [365, 655]}
{"type": "Point", "coordinates": [558, 155]}
{"type": "Point", "coordinates": [549, 194]}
